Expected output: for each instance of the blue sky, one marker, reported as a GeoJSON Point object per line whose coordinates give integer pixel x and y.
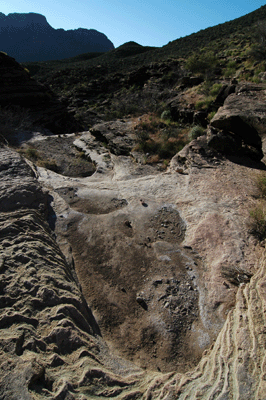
{"type": "Point", "coordinates": [147, 22]}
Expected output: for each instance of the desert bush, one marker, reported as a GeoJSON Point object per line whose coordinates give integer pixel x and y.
{"type": "Point", "coordinates": [201, 63]}
{"type": "Point", "coordinates": [166, 115]}
{"type": "Point", "coordinates": [48, 164]}
{"type": "Point", "coordinates": [161, 143]}
{"type": "Point", "coordinates": [32, 153]}
{"type": "Point", "coordinates": [203, 104]}
{"type": "Point", "coordinates": [261, 184]}
{"type": "Point", "coordinates": [258, 221]}
{"type": "Point", "coordinates": [142, 136]}
{"type": "Point", "coordinates": [215, 89]}
{"type": "Point", "coordinates": [258, 50]}
{"type": "Point", "coordinates": [195, 132]}
{"type": "Point", "coordinates": [230, 69]}
{"type": "Point", "coordinates": [211, 115]}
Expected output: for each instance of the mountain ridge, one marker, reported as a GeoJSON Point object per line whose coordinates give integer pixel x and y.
{"type": "Point", "coordinates": [29, 37]}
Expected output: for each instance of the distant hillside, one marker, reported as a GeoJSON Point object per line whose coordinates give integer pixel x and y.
{"type": "Point", "coordinates": [133, 78]}
{"type": "Point", "coordinates": [234, 36]}
{"type": "Point", "coordinates": [29, 37]}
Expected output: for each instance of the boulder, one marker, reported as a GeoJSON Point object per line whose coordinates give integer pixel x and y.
{"type": "Point", "coordinates": [118, 136]}
{"type": "Point", "coordinates": [190, 81]}
{"type": "Point", "coordinates": [238, 126]}
{"type": "Point", "coordinates": [224, 92]}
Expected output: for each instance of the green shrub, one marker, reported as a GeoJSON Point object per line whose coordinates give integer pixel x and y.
{"type": "Point", "coordinates": [261, 184]}
{"type": "Point", "coordinates": [231, 64]}
{"type": "Point", "coordinates": [203, 104]}
{"type": "Point", "coordinates": [48, 164]}
{"type": "Point", "coordinates": [166, 115]}
{"type": "Point", "coordinates": [200, 63]}
{"type": "Point", "coordinates": [258, 50]}
{"type": "Point", "coordinates": [215, 89]}
{"type": "Point", "coordinates": [211, 115]}
{"type": "Point", "coordinates": [32, 153]}
{"type": "Point", "coordinates": [258, 221]}
{"type": "Point", "coordinates": [195, 132]}
{"type": "Point", "coordinates": [230, 69]}
{"type": "Point", "coordinates": [142, 136]}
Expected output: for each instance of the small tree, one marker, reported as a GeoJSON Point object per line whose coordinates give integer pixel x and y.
{"type": "Point", "coordinates": [204, 62]}
{"type": "Point", "coordinates": [258, 50]}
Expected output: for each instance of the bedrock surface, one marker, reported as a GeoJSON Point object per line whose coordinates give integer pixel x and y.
{"type": "Point", "coordinates": [165, 262]}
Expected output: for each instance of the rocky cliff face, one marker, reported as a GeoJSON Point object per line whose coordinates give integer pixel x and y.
{"type": "Point", "coordinates": [29, 37]}
{"type": "Point", "coordinates": [173, 277]}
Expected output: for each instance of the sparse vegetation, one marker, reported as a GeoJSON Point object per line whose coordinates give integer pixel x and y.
{"type": "Point", "coordinates": [49, 164]}
{"type": "Point", "coordinates": [261, 184]}
{"type": "Point", "coordinates": [195, 132]}
{"type": "Point", "coordinates": [203, 104]}
{"type": "Point", "coordinates": [230, 69]}
{"type": "Point", "coordinates": [32, 153]}
{"type": "Point", "coordinates": [166, 115]}
{"type": "Point", "coordinates": [201, 63]}
{"type": "Point", "coordinates": [160, 141]}
{"type": "Point", "coordinates": [258, 50]}
{"type": "Point", "coordinates": [216, 87]}
{"type": "Point", "coordinates": [258, 213]}
{"type": "Point", "coordinates": [211, 115]}
{"type": "Point", "coordinates": [258, 221]}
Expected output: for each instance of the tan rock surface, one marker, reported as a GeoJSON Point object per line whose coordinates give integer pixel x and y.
{"type": "Point", "coordinates": [166, 263]}
{"type": "Point", "coordinates": [50, 344]}
{"type": "Point", "coordinates": [152, 253]}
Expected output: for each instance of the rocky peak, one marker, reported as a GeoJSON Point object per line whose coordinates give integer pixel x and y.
{"type": "Point", "coordinates": [21, 21]}
{"type": "Point", "coordinates": [39, 41]}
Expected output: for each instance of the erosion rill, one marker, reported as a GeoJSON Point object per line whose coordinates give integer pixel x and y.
{"type": "Point", "coordinates": [50, 342]}
{"type": "Point", "coordinates": [175, 282]}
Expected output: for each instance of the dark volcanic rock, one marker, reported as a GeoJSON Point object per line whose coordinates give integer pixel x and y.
{"type": "Point", "coordinates": [29, 37]}
{"type": "Point", "coordinates": [186, 114]}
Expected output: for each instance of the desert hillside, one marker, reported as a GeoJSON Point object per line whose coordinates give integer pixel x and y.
{"type": "Point", "coordinates": [132, 221]}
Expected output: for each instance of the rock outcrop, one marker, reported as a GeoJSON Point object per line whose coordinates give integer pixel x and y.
{"type": "Point", "coordinates": [29, 37]}
{"type": "Point", "coordinates": [174, 280]}
{"type": "Point", "coordinates": [239, 124]}
{"type": "Point", "coordinates": [50, 343]}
